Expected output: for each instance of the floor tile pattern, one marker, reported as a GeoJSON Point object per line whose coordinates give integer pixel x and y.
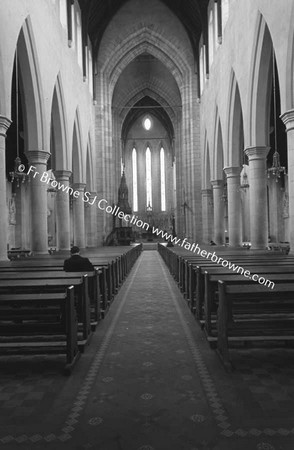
{"type": "Point", "coordinates": [149, 381]}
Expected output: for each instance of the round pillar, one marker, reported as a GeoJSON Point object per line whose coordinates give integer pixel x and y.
{"type": "Point", "coordinates": [288, 119]}
{"type": "Point", "coordinates": [218, 211]}
{"type": "Point", "coordinates": [79, 215]}
{"type": "Point", "coordinates": [234, 205]}
{"type": "Point", "coordinates": [258, 197]}
{"type": "Point", "coordinates": [62, 210]}
{"type": "Point", "coordinates": [38, 189]}
{"type": "Point", "coordinates": [4, 125]}
{"type": "Point", "coordinates": [207, 215]}
{"type": "Point", "coordinates": [91, 220]}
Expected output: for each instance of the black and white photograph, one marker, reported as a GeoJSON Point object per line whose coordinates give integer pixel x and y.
{"type": "Point", "coordinates": [146, 224]}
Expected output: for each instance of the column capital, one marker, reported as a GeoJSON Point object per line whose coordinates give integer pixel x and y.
{"type": "Point", "coordinates": [233, 171]}
{"type": "Point", "coordinates": [37, 156]}
{"type": "Point", "coordinates": [79, 186]}
{"type": "Point", "coordinates": [4, 125]}
{"type": "Point", "coordinates": [217, 184]}
{"type": "Point", "coordinates": [288, 119]}
{"type": "Point", "coordinates": [62, 174]}
{"type": "Point", "coordinates": [257, 152]}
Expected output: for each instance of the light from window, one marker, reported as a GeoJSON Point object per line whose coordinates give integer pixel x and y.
{"type": "Point", "coordinates": [148, 178]}
{"type": "Point", "coordinates": [63, 13]}
{"type": "Point", "coordinates": [147, 124]}
{"type": "Point", "coordinates": [79, 37]}
{"type": "Point", "coordinates": [135, 180]}
{"type": "Point", "coordinates": [225, 12]}
{"type": "Point", "coordinates": [204, 62]}
{"type": "Point", "coordinates": [201, 69]}
{"type": "Point", "coordinates": [162, 180]}
{"type": "Point", "coordinates": [210, 38]}
{"type": "Point", "coordinates": [216, 41]}
{"type": "Point", "coordinates": [73, 25]}
{"type": "Point", "coordinates": [90, 69]}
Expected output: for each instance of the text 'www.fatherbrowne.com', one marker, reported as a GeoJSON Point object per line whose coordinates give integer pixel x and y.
{"type": "Point", "coordinates": [213, 257]}
{"type": "Point", "coordinates": [134, 220]}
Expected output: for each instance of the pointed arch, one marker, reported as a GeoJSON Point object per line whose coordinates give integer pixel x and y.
{"type": "Point", "coordinates": [289, 90]}
{"type": "Point", "coordinates": [206, 180]}
{"type": "Point", "coordinates": [260, 85]}
{"type": "Point", "coordinates": [58, 128]}
{"type": "Point", "coordinates": [146, 42]}
{"type": "Point", "coordinates": [89, 167]}
{"type": "Point", "coordinates": [218, 150]}
{"type": "Point", "coordinates": [77, 166]}
{"type": "Point", "coordinates": [31, 89]}
{"type": "Point", "coordinates": [235, 137]}
{"type": "Point", "coordinates": [145, 91]}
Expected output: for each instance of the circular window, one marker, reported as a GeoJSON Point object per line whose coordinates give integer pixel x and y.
{"type": "Point", "coordinates": [147, 123]}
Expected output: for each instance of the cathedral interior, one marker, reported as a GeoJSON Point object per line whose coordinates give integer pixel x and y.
{"type": "Point", "coordinates": [158, 138]}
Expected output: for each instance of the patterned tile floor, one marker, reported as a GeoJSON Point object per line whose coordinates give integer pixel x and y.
{"type": "Point", "coordinates": [149, 381]}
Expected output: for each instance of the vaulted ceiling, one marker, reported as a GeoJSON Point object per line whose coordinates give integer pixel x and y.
{"type": "Point", "coordinates": [98, 13]}
{"type": "Point", "coordinates": [142, 107]}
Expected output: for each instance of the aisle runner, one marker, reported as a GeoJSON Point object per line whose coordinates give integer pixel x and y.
{"type": "Point", "coordinates": [148, 387]}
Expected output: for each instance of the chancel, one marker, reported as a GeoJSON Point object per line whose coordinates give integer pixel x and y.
{"type": "Point", "coordinates": [153, 141]}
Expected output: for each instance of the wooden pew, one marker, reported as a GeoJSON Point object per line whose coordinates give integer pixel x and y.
{"type": "Point", "coordinates": [181, 263]}
{"type": "Point", "coordinates": [17, 253]}
{"type": "Point", "coordinates": [211, 293]}
{"type": "Point", "coordinates": [196, 289]}
{"type": "Point", "coordinates": [113, 267]}
{"type": "Point", "coordinates": [186, 279]}
{"type": "Point", "coordinates": [39, 323]}
{"type": "Point", "coordinates": [104, 280]}
{"type": "Point", "coordinates": [93, 285]}
{"type": "Point", "coordinates": [198, 298]}
{"type": "Point", "coordinates": [31, 286]}
{"type": "Point", "coordinates": [259, 315]}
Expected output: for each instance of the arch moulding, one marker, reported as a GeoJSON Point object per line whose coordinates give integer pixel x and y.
{"type": "Point", "coordinates": [147, 41]}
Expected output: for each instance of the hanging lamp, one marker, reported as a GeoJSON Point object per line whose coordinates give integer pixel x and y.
{"type": "Point", "coordinates": [276, 170]}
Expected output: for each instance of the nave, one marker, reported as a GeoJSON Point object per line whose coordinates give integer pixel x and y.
{"type": "Point", "coordinates": [149, 380]}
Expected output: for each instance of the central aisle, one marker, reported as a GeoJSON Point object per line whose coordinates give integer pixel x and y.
{"type": "Point", "coordinates": [149, 381]}
{"type": "Point", "coordinates": [145, 390]}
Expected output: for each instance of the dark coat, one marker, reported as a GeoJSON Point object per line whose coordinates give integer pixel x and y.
{"type": "Point", "coordinates": [77, 263]}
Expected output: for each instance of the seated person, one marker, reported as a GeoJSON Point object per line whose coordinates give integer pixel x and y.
{"type": "Point", "coordinates": [77, 263]}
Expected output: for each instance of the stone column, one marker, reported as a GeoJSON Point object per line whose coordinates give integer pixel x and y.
{"type": "Point", "coordinates": [39, 234]}
{"type": "Point", "coordinates": [79, 215]}
{"type": "Point", "coordinates": [234, 205]}
{"type": "Point", "coordinates": [62, 210]}
{"type": "Point", "coordinates": [4, 125]}
{"type": "Point", "coordinates": [258, 196]}
{"type": "Point", "coordinates": [275, 209]}
{"type": "Point", "coordinates": [91, 220]}
{"type": "Point", "coordinates": [207, 215]}
{"type": "Point", "coordinates": [218, 211]}
{"type": "Point", "coordinates": [288, 119]}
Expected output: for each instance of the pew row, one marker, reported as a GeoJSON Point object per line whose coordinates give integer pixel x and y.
{"type": "Point", "coordinates": [40, 323]}
{"type": "Point", "coordinates": [188, 270]}
{"type": "Point", "coordinates": [80, 285]}
{"type": "Point", "coordinates": [253, 313]}
{"type": "Point", "coordinates": [92, 293]}
{"type": "Point", "coordinates": [212, 295]}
